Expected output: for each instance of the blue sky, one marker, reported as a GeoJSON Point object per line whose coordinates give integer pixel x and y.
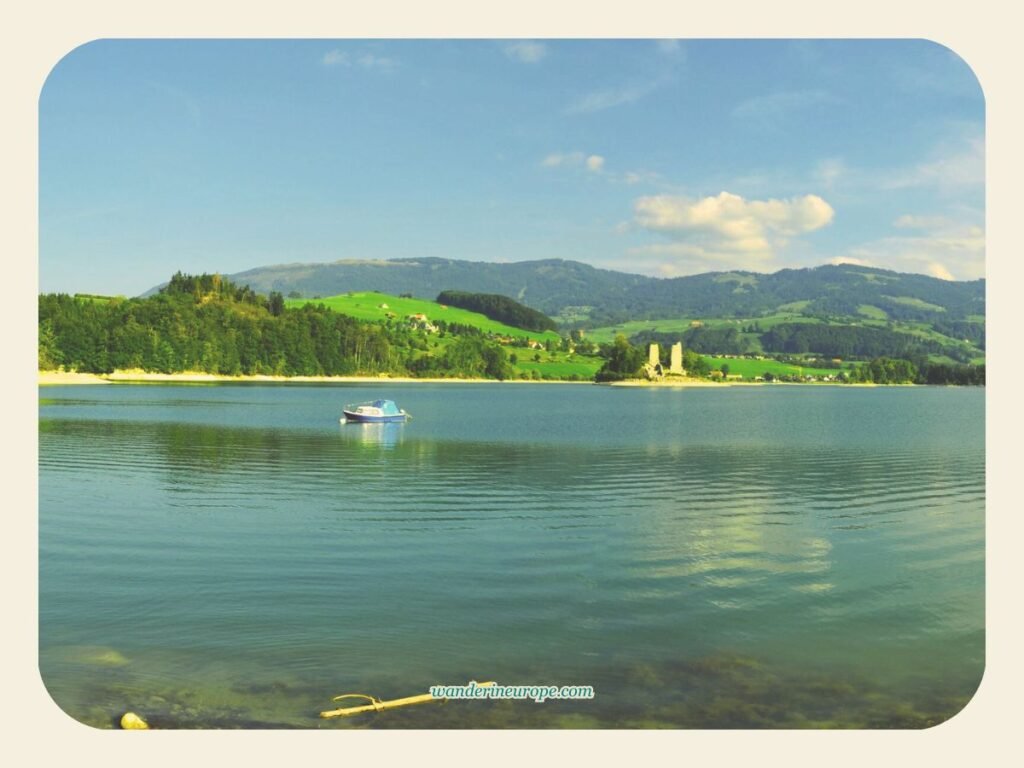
{"type": "Point", "coordinates": [659, 157]}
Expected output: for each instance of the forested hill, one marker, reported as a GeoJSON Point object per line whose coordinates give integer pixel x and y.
{"type": "Point", "coordinates": [579, 294]}
{"type": "Point", "coordinates": [547, 285]}
{"type": "Point", "coordinates": [500, 308]}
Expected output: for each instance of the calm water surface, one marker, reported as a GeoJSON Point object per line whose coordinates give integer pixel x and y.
{"type": "Point", "coordinates": [230, 556]}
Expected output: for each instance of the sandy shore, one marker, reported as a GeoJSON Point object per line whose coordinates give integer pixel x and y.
{"type": "Point", "coordinates": [193, 377]}
{"type": "Point", "coordinates": [709, 383]}
{"type": "Point", "coordinates": [62, 377]}
{"type": "Point", "coordinates": [682, 383]}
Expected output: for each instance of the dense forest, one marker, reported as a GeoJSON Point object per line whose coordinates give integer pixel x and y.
{"type": "Point", "coordinates": [207, 323]}
{"type": "Point", "coordinates": [854, 341]}
{"type": "Point", "coordinates": [499, 308]}
{"type": "Point", "coordinates": [885, 370]}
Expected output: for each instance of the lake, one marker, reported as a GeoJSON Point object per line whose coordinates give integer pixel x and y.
{"type": "Point", "coordinates": [230, 556]}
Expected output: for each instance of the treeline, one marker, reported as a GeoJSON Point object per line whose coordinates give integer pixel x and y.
{"type": "Point", "coordinates": [708, 341]}
{"type": "Point", "coordinates": [848, 341]}
{"type": "Point", "coordinates": [208, 324]}
{"type": "Point", "coordinates": [499, 308]}
{"type": "Point", "coordinates": [886, 370]}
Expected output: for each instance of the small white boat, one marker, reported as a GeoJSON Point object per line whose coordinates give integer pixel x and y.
{"type": "Point", "coordinates": [374, 412]}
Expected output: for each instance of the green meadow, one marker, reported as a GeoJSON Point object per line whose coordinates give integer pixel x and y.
{"type": "Point", "coordinates": [749, 369]}
{"type": "Point", "coordinates": [374, 306]}
{"type": "Point", "coordinates": [557, 365]}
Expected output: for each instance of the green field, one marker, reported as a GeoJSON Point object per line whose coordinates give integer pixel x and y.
{"type": "Point", "coordinates": [909, 301]}
{"type": "Point", "coordinates": [97, 297]}
{"type": "Point", "coordinates": [558, 365]}
{"type": "Point", "coordinates": [873, 312]}
{"type": "Point", "coordinates": [749, 369]}
{"type": "Point", "coordinates": [367, 305]}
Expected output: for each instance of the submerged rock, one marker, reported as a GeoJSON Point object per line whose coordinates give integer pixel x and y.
{"type": "Point", "coordinates": [132, 722]}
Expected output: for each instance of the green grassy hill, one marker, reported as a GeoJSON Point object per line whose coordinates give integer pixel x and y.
{"type": "Point", "coordinates": [373, 306]}
{"type": "Point", "coordinates": [750, 369]}
{"type": "Point", "coordinates": [529, 363]}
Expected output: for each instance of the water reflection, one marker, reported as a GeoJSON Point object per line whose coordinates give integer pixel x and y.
{"type": "Point", "coordinates": [226, 575]}
{"type": "Point", "coordinates": [384, 435]}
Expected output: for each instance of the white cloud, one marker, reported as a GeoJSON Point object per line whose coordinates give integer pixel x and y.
{"type": "Point", "coordinates": [951, 169]}
{"type": "Point", "coordinates": [674, 259]}
{"type": "Point", "coordinates": [556, 159]}
{"type": "Point", "coordinates": [368, 61]}
{"type": "Point", "coordinates": [335, 58]}
{"type": "Point", "coordinates": [593, 163]}
{"type": "Point", "coordinates": [526, 51]}
{"type": "Point", "coordinates": [944, 248]}
{"type": "Point", "coordinates": [638, 177]}
{"type": "Point", "coordinates": [735, 221]}
{"type": "Point", "coordinates": [597, 101]}
{"type": "Point", "coordinates": [830, 171]}
{"type": "Point", "coordinates": [726, 231]}
{"type": "Point", "coordinates": [908, 221]}
{"type": "Point", "coordinates": [938, 270]}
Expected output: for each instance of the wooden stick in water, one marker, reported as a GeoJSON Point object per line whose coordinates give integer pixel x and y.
{"type": "Point", "coordinates": [376, 705]}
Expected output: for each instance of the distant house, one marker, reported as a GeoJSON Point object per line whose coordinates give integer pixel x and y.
{"type": "Point", "coordinates": [421, 322]}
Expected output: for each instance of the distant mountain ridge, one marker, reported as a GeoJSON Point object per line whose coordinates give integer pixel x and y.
{"type": "Point", "coordinates": [580, 294]}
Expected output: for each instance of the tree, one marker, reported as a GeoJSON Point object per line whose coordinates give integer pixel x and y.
{"type": "Point", "coordinates": [49, 353]}
{"type": "Point", "coordinates": [623, 360]}
{"type": "Point", "coordinates": [275, 303]}
{"type": "Point", "coordinates": [695, 364]}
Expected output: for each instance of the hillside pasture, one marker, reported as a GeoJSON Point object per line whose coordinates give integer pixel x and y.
{"type": "Point", "coordinates": [749, 368]}
{"type": "Point", "coordinates": [372, 306]}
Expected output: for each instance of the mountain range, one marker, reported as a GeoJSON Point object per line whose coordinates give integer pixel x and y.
{"type": "Point", "coordinates": [578, 294]}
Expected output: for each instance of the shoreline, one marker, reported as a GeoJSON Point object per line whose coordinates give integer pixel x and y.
{"type": "Point", "coordinates": [61, 378]}
{"type": "Point", "coordinates": [707, 383]}
{"type": "Point", "coordinates": [52, 378]}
